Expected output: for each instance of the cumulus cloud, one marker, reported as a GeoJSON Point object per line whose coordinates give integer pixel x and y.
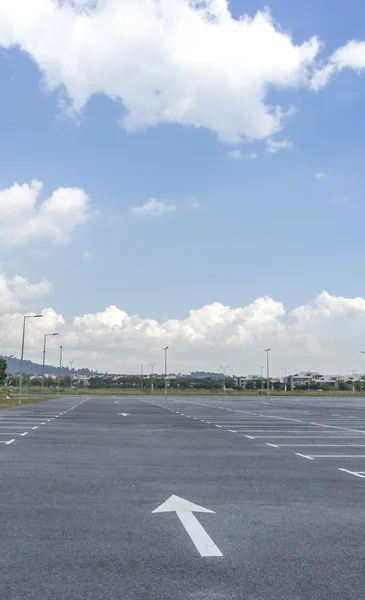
{"type": "Point", "coordinates": [350, 56]}
{"type": "Point", "coordinates": [239, 155]}
{"type": "Point", "coordinates": [326, 333]}
{"type": "Point", "coordinates": [23, 220]}
{"type": "Point", "coordinates": [274, 146]}
{"type": "Point", "coordinates": [154, 208]}
{"type": "Point", "coordinates": [17, 289]}
{"type": "Point", "coordinates": [87, 255]}
{"type": "Point", "coordinates": [167, 61]}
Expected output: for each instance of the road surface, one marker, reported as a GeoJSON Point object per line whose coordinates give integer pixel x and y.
{"type": "Point", "coordinates": [183, 498]}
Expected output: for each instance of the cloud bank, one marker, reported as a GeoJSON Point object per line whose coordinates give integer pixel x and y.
{"type": "Point", "coordinates": [326, 333]}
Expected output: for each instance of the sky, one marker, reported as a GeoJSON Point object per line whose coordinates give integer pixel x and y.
{"type": "Point", "coordinates": [187, 174]}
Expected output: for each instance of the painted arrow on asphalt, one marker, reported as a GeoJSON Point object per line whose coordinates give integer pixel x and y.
{"type": "Point", "coordinates": [184, 510]}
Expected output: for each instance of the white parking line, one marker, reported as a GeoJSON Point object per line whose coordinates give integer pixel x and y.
{"type": "Point", "coordinates": [353, 473]}
{"type": "Point", "coordinates": [304, 456]}
{"type": "Point", "coordinates": [250, 437]}
{"type": "Point", "coordinates": [9, 442]}
{"type": "Point", "coordinates": [338, 455]}
{"type": "Point", "coordinates": [23, 434]}
{"type": "Point", "coordinates": [232, 431]}
{"type": "Point", "coordinates": [322, 445]}
{"type": "Point", "coordinates": [272, 445]}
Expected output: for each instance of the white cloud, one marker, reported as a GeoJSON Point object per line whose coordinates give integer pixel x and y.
{"type": "Point", "coordinates": [167, 61]}
{"type": "Point", "coordinates": [17, 289]}
{"type": "Point", "coordinates": [195, 204]}
{"type": "Point", "coordinates": [22, 220]}
{"type": "Point", "coordinates": [320, 175]}
{"type": "Point", "coordinates": [274, 146]}
{"type": "Point", "coordinates": [238, 155]}
{"type": "Point", "coordinates": [326, 333]}
{"type": "Point", "coordinates": [154, 208]}
{"type": "Point", "coordinates": [350, 56]}
{"type": "Point", "coordinates": [86, 255]}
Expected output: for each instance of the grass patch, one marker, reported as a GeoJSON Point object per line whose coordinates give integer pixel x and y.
{"type": "Point", "coordinates": [6, 403]}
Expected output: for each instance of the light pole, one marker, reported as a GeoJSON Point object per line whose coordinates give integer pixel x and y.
{"type": "Point", "coordinates": [285, 369]}
{"type": "Point", "coordinates": [22, 353]}
{"type": "Point", "coordinates": [267, 371]}
{"type": "Point", "coordinates": [310, 377]}
{"type": "Point", "coordinates": [59, 374]}
{"type": "Point", "coordinates": [141, 379]}
{"type": "Point", "coordinates": [262, 381]}
{"type": "Point", "coordinates": [165, 350]}
{"type": "Point", "coordinates": [71, 362]}
{"type": "Point", "coordinates": [224, 377]}
{"type": "Point", "coordinates": [152, 365]}
{"type": "Point", "coordinates": [46, 335]}
{"type": "Point", "coordinates": [353, 380]}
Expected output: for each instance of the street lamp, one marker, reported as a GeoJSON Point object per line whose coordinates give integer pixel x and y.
{"type": "Point", "coordinates": [310, 377]}
{"type": "Point", "coordinates": [152, 365]}
{"type": "Point", "coordinates": [224, 377]}
{"type": "Point", "coordinates": [71, 362]}
{"type": "Point", "coordinates": [262, 380]}
{"type": "Point", "coordinates": [285, 369]}
{"type": "Point", "coordinates": [46, 335]}
{"type": "Point", "coordinates": [165, 350]}
{"type": "Point", "coordinates": [141, 379]}
{"type": "Point", "coordinates": [59, 375]}
{"type": "Point", "coordinates": [22, 353]}
{"type": "Point", "coordinates": [267, 371]}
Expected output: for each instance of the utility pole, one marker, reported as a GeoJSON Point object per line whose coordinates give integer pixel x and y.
{"type": "Point", "coordinates": [141, 379]}
{"type": "Point", "coordinates": [267, 371]}
{"type": "Point", "coordinates": [165, 350]}
{"type": "Point", "coordinates": [152, 365]}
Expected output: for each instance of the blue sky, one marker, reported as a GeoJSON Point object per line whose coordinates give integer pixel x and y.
{"type": "Point", "coordinates": [242, 229]}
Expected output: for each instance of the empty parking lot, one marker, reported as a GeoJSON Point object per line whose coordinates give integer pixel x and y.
{"type": "Point", "coordinates": [183, 497]}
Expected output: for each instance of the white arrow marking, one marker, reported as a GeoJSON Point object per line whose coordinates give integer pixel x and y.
{"type": "Point", "coordinates": [184, 510]}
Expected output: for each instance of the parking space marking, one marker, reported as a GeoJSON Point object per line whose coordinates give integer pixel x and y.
{"type": "Point", "coordinates": [355, 473]}
{"type": "Point", "coordinates": [9, 442]}
{"type": "Point", "coordinates": [304, 456]}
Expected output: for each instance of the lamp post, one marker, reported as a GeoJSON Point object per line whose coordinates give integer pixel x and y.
{"type": "Point", "coordinates": [267, 371]}
{"type": "Point", "coordinates": [71, 362]}
{"type": "Point", "coordinates": [353, 380]}
{"type": "Point", "coordinates": [59, 374]}
{"type": "Point", "coordinates": [141, 379]}
{"type": "Point", "coordinates": [165, 350]}
{"type": "Point", "coordinates": [310, 377]}
{"type": "Point", "coordinates": [285, 369]}
{"type": "Point", "coordinates": [152, 365]}
{"type": "Point", "coordinates": [262, 381]}
{"type": "Point", "coordinates": [22, 353]}
{"type": "Point", "coordinates": [224, 377]}
{"type": "Point", "coordinates": [46, 335]}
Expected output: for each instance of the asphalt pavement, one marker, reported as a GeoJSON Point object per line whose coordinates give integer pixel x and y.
{"type": "Point", "coordinates": [110, 498]}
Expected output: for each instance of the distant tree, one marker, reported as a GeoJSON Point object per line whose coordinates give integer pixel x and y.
{"type": "Point", "coordinates": [36, 382]}
{"type": "Point", "coordinates": [3, 367]}
{"type": "Point", "coordinates": [277, 385]}
{"type": "Point", "coordinates": [250, 385]}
